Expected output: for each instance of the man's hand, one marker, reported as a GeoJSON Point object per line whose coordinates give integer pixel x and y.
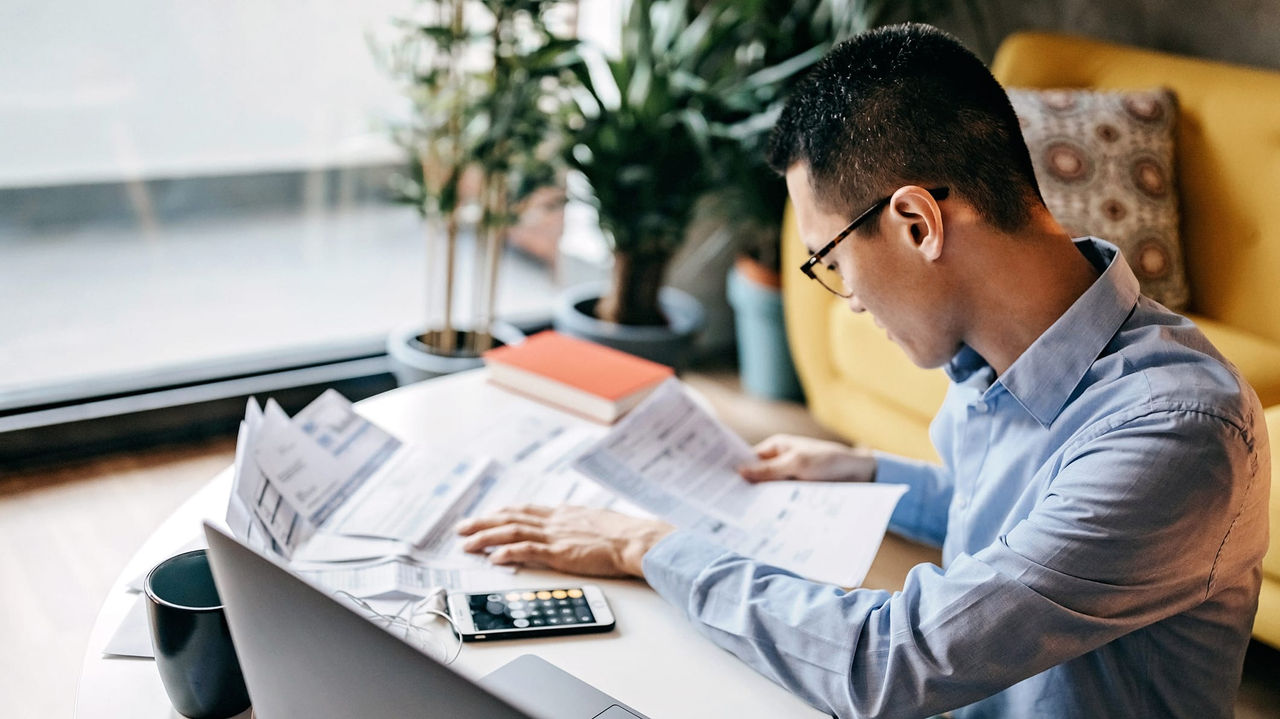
{"type": "Point", "coordinates": [785, 456]}
{"type": "Point", "coordinates": [576, 540]}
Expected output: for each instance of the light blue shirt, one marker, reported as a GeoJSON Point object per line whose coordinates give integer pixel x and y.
{"type": "Point", "coordinates": [1102, 510]}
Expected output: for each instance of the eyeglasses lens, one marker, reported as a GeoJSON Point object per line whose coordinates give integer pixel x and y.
{"type": "Point", "coordinates": [830, 278]}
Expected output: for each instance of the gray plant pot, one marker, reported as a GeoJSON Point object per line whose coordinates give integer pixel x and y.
{"type": "Point", "coordinates": [412, 361]}
{"type": "Point", "coordinates": [670, 344]}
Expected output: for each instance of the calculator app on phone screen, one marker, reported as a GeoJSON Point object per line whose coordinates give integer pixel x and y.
{"type": "Point", "coordinates": [501, 614]}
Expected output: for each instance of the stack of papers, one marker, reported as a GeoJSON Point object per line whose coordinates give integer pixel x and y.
{"type": "Point", "coordinates": [328, 486]}
{"type": "Point", "coordinates": [355, 508]}
{"type": "Point", "coordinates": [329, 467]}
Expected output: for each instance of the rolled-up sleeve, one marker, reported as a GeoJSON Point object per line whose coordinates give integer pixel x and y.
{"type": "Point", "coordinates": [1129, 534]}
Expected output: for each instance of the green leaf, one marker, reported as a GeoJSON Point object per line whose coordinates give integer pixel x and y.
{"type": "Point", "coordinates": [785, 69]}
{"type": "Point", "coordinates": [686, 44]}
{"type": "Point", "coordinates": [669, 18]}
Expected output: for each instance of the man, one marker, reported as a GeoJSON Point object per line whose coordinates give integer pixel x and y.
{"type": "Point", "coordinates": [1103, 493]}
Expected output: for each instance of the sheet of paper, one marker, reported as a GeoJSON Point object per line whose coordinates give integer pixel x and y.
{"type": "Point", "coordinates": [443, 542]}
{"type": "Point", "coordinates": [547, 476]}
{"type": "Point", "coordinates": [323, 457]}
{"type": "Point", "coordinates": [535, 451]}
{"type": "Point", "coordinates": [256, 507]}
{"type": "Point", "coordinates": [390, 579]}
{"type": "Point", "coordinates": [240, 516]}
{"type": "Point", "coordinates": [674, 459]}
{"type": "Point", "coordinates": [133, 636]}
{"type": "Point", "coordinates": [534, 438]}
{"type": "Point", "coordinates": [411, 496]}
{"type": "Point", "coordinates": [326, 547]}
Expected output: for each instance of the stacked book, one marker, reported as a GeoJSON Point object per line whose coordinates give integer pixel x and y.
{"type": "Point", "coordinates": [585, 378]}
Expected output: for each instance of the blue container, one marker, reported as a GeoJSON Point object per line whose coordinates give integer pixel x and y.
{"type": "Point", "coordinates": [764, 359]}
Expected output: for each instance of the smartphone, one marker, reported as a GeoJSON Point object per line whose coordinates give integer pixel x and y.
{"type": "Point", "coordinates": [516, 613]}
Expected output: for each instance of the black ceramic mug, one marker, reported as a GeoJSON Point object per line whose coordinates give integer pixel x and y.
{"type": "Point", "coordinates": [192, 642]}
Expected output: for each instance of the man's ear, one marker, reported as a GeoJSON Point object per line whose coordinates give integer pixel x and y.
{"type": "Point", "coordinates": [920, 218]}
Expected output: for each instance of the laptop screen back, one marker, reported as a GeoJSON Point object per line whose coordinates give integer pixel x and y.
{"type": "Point", "coordinates": [306, 655]}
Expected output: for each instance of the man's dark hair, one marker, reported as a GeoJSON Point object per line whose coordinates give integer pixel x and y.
{"type": "Point", "coordinates": [907, 104]}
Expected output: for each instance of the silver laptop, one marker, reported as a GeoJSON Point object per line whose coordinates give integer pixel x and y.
{"type": "Point", "coordinates": [306, 655]}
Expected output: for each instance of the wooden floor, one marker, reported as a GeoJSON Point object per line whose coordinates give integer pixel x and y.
{"type": "Point", "coordinates": [66, 532]}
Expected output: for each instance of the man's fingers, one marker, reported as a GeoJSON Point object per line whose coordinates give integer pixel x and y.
{"type": "Point", "coordinates": [769, 470]}
{"type": "Point", "coordinates": [770, 447]}
{"type": "Point", "coordinates": [506, 534]}
{"type": "Point", "coordinates": [528, 552]}
{"type": "Point", "coordinates": [768, 453]}
{"type": "Point", "coordinates": [536, 510]}
{"type": "Point", "coordinates": [497, 519]}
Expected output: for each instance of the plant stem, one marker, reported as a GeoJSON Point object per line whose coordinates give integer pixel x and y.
{"type": "Point", "coordinates": [448, 340]}
{"type": "Point", "coordinates": [633, 297]}
{"type": "Point", "coordinates": [494, 232]}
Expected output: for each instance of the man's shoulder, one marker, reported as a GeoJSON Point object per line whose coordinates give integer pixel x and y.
{"type": "Point", "coordinates": [1160, 362]}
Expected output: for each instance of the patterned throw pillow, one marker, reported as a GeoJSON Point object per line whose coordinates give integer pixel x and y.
{"type": "Point", "coordinates": [1104, 161]}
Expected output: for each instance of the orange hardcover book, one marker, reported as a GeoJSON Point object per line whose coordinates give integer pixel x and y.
{"type": "Point", "coordinates": [583, 377]}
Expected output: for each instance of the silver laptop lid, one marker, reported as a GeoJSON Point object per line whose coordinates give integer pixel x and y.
{"type": "Point", "coordinates": [306, 655]}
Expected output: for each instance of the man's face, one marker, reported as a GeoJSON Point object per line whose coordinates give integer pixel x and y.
{"type": "Point", "coordinates": [888, 276]}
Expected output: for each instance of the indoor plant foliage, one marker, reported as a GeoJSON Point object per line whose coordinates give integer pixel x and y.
{"type": "Point", "coordinates": [486, 82]}
{"type": "Point", "coordinates": [643, 143]}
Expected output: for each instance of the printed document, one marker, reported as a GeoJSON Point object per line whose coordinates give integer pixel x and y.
{"type": "Point", "coordinates": [395, 578]}
{"type": "Point", "coordinates": [672, 458]}
{"type": "Point", "coordinates": [328, 485]}
{"type": "Point", "coordinates": [323, 456]}
{"type": "Point", "coordinates": [257, 512]}
{"type": "Point", "coordinates": [411, 495]}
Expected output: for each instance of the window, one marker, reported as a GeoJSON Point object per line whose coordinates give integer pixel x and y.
{"type": "Point", "coordinates": [196, 190]}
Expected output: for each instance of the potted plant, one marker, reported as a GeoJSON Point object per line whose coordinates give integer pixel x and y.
{"type": "Point", "coordinates": [486, 83]}
{"type": "Point", "coordinates": [643, 144]}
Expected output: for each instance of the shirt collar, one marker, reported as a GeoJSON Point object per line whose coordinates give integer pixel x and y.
{"type": "Point", "coordinates": [1043, 378]}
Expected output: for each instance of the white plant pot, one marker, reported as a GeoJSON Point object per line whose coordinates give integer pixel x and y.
{"type": "Point", "coordinates": [412, 361]}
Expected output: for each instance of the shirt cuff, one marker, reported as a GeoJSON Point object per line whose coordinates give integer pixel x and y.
{"type": "Point", "coordinates": [673, 564]}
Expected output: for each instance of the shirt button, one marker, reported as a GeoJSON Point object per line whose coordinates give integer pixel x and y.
{"type": "Point", "coordinates": [981, 407]}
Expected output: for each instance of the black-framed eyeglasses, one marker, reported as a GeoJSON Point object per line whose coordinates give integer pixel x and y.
{"type": "Point", "coordinates": [825, 275]}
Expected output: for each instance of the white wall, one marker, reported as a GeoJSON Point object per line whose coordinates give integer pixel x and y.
{"type": "Point", "coordinates": [94, 90]}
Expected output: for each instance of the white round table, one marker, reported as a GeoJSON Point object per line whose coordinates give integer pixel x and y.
{"type": "Point", "coordinates": [654, 660]}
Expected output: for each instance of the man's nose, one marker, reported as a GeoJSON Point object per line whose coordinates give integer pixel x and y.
{"type": "Point", "coordinates": [856, 305]}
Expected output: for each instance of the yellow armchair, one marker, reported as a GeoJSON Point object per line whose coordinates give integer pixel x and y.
{"type": "Point", "coordinates": [1228, 164]}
